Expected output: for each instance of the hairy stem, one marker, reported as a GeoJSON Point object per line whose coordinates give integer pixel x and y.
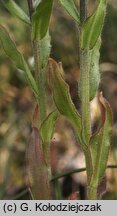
{"type": "Point", "coordinates": [91, 193]}
{"type": "Point", "coordinates": [84, 92]}
{"type": "Point", "coordinates": [85, 101]}
{"type": "Point", "coordinates": [84, 81]}
{"type": "Point", "coordinates": [38, 70]}
{"type": "Point", "coordinates": [39, 80]}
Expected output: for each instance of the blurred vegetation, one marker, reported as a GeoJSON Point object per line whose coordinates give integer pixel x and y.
{"type": "Point", "coordinates": [17, 102]}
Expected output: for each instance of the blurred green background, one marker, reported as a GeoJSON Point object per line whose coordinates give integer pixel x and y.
{"type": "Point", "coordinates": [17, 102]}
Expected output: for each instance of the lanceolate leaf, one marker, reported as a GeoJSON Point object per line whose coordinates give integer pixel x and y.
{"type": "Point", "coordinates": [100, 143]}
{"type": "Point", "coordinates": [36, 168]}
{"type": "Point", "coordinates": [47, 131]}
{"type": "Point", "coordinates": [15, 10]}
{"type": "Point", "coordinates": [93, 26]}
{"type": "Point", "coordinates": [11, 50]}
{"type": "Point", "coordinates": [93, 56]}
{"type": "Point", "coordinates": [71, 9]}
{"type": "Point", "coordinates": [45, 48]}
{"type": "Point", "coordinates": [94, 73]}
{"type": "Point", "coordinates": [41, 18]}
{"type": "Point", "coordinates": [62, 96]}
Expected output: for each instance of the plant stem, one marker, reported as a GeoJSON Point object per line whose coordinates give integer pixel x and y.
{"type": "Point", "coordinates": [91, 193]}
{"type": "Point", "coordinates": [38, 72]}
{"type": "Point", "coordinates": [85, 101]}
{"type": "Point", "coordinates": [84, 92]}
{"type": "Point", "coordinates": [39, 80]}
{"type": "Point", "coordinates": [84, 81]}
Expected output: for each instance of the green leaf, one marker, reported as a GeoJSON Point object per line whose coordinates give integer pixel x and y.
{"type": "Point", "coordinates": [92, 27]}
{"type": "Point", "coordinates": [37, 170]}
{"type": "Point", "coordinates": [94, 73]}
{"type": "Point", "coordinates": [62, 96]}
{"type": "Point", "coordinates": [15, 10]}
{"type": "Point", "coordinates": [47, 127]}
{"type": "Point", "coordinates": [47, 131]}
{"type": "Point", "coordinates": [11, 50]}
{"type": "Point", "coordinates": [92, 62]}
{"type": "Point", "coordinates": [41, 18]}
{"type": "Point", "coordinates": [45, 48]}
{"type": "Point", "coordinates": [100, 143]}
{"type": "Point", "coordinates": [71, 9]}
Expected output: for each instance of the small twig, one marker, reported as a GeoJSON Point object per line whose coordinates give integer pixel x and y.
{"type": "Point", "coordinates": [83, 10]}
{"type": "Point", "coordinates": [31, 8]}
{"type": "Point", "coordinates": [77, 171]}
{"type": "Point", "coordinates": [111, 167]}
{"type": "Point", "coordinates": [67, 173]}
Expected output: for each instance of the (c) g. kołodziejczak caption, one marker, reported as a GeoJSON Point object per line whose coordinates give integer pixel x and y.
{"type": "Point", "coordinates": [94, 145]}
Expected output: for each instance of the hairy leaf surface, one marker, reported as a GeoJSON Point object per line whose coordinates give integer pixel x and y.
{"type": "Point", "coordinates": [45, 48]}
{"type": "Point", "coordinates": [94, 73]}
